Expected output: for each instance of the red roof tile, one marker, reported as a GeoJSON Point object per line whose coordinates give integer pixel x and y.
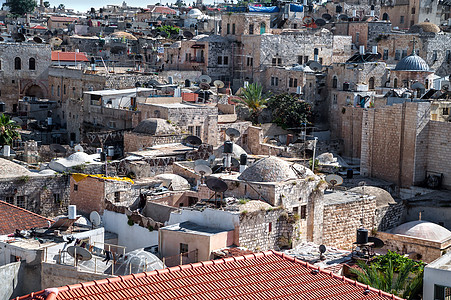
{"type": "Point", "coordinates": [13, 217]}
{"type": "Point", "coordinates": [266, 275]}
{"type": "Point", "coordinates": [163, 10]}
{"type": "Point", "coordinates": [68, 56]}
{"type": "Point", "coordinates": [38, 27]}
{"type": "Point", "coordinates": [63, 19]}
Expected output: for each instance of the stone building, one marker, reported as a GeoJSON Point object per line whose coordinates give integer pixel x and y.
{"type": "Point", "coordinates": [24, 72]}
{"type": "Point", "coordinates": [42, 193]}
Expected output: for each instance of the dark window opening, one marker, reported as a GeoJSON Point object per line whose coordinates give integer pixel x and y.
{"type": "Point", "coordinates": [183, 248]}
{"type": "Point", "coordinates": [32, 64]}
{"type": "Point", "coordinates": [303, 215]}
{"type": "Point", "coordinates": [17, 63]}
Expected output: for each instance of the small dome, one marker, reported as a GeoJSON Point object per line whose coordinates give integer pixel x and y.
{"type": "Point", "coordinates": [423, 230]}
{"type": "Point", "coordinates": [383, 198]}
{"type": "Point", "coordinates": [412, 63]}
{"type": "Point", "coordinates": [194, 13]}
{"type": "Point", "coordinates": [174, 182]}
{"type": "Point", "coordinates": [155, 126]}
{"type": "Point", "coordinates": [237, 151]}
{"type": "Point", "coordinates": [11, 169]}
{"type": "Point", "coordinates": [424, 27]}
{"type": "Point", "coordinates": [123, 34]}
{"type": "Point", "coordinates": [273, 169]}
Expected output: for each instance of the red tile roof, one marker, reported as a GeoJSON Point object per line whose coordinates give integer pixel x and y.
{"type": "Point", "coordinates": [163, 10]}
{"type": "Point", "coordinates": [68, 56]}
{"type": "Point", "coordinates": [13, 217]}
{"type": "Point", "coordinates": [63, 19]}
{"type": "Point", "coordinates": [266, 275]}
{"type": "Point", "coordinates": [38, 27]}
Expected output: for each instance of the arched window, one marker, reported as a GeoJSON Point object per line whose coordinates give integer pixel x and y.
{"type": "Point", "coordinates": [58, 91]}
{"type": "Point", "coordinates": [385, 17]}
{"type": "Point", "coordinates": [262, 28]}
{"type": "Point", "coordinates": [335, 82]}
{"type": "Point", "coordinates": [17, 63]}
{"type": "Point", "coordinates": [395, 83]}
{"type": "Point", "coordinates": [371, 83]}
{"type": "Point", "coordinates": [32, 64]}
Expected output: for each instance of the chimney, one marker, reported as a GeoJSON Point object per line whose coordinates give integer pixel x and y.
{"type": "Point", "coordinates": [362, 50]}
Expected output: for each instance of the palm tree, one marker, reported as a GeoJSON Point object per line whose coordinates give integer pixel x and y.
{"type": "Point", "coordinates": [253, 98]}
{"type": "Point", "coordinates": [406, 283]}
{"type": "Point", "coordinates": [8, 130]}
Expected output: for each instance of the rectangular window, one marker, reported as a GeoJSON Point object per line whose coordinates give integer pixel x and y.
{"type": "Point", "coordinates": [186, 56]}
{"type": "Point", "coordinates": [434, 55]}
{"type": "Point", "coordinates": [306, 59]}
{"type": "Point", "coordinates": [296, 210]}
{"type": "Point", "coordinates": [274, 61]}
{"type": "Point", "coordinates": [117, 196]}
{"type": "Point", "coordinates": [198, 131]}
{"type": "Point", "coordinates": [357, 38]}
{"type": "Point", "coordinates": [75, 187]}
{"type": "Point", "coordinates": [401, 20]}
{"type": "Point", "coordinates": [334, 100]}
{"type": "Point", "coordinates": [270, 227]}
{"type": "Point", "coordinates": [300, 59]}
{"type": "Point", "coordinates": [404, 53]}
{"type": "Point", "coordinates": [9, 199]}
{"type": "Point", "coordinates": [226, 60]}
{"type": "Point", "coordinates": [183, 248]}
{"type": "Point", "coordinates": [251, 28]}
{"type": "Point", "coordinates": [219, 60]}
{"type": "Point", "coordinates": [442, 292]}
{"type": "Point", "coordinates": [385, 57]}
{"type": "Point", "coordinates": [446, 111]}
{"type": "Point", "coordinates": [233, 28]}
{"type": "Point", "coordinates": [191, 130]}
{"type": "Point", "coordinates": [295, 82]}
{"type": "Point", "coordinates": [397, 54]}
{"type": "Point", "coordinates": [279, 61]}
{"type": "Point", "coordinates": [57, 198]}
{"type": "Point", "coordinates": [321, 60]}
{"type": "Point", "coordinates": [250, 61]}
{"type": "Point", "coordinates": [274, 81]}
{"type": "Point", "coordinates": [303, 215]}
{"type": "Point", "coordinates": [290, 82]}
{"type": "Point", "coordinates": [228, 28]}
{"type": "Point", "coordinates": [21, 201]}
{"type": "Point", "coordinates": [448, 55]}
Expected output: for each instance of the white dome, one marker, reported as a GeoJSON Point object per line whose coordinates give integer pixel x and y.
{"type": "Point", "coordinates": [423, 230]}
{"type": "Point", "coordinates": [174, 182]}
{"type": "Point", "coordinates": [194, 13]}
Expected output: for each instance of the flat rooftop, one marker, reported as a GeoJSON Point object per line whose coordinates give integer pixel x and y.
{"type": "Point", "coordinates": [193, 228]}
{"type": "Point", "coordinates": [339, 197]}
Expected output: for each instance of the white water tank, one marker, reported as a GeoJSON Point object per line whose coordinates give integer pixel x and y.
{"type": "Point", "coordinates": [111, 151]}
{"type": "Point", "coordinates": [6, 150]}
{"type": "Point", "coordinates": [72, 212]}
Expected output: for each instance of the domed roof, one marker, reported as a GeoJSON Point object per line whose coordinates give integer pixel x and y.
{"type": "Point", "coordinates": [412, 63]}
{"type": "Point", "coordinates": [11, 169]}
{"type": "Point", "coordinates": [273, 169]}
{"type": "Point", "coordinates": [174, 182]}
{"type": "Point", "coordinates": [424, 27]}
{"type": "Point", "coordinates": [194, 13]}
{"type": "Point", "coordinates": [237, 151]}
{"type": "Point", "coordinates": [155, 126]}
{"type": "Point", "coordinates": [383, 198]}
{"type": "Point", "coordinates": [123, 34]}
{"type": "Point", "coordinates": [423, 230]}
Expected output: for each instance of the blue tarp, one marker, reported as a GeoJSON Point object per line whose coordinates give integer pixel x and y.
{"type": "Point", "coordinates": [296, 8]}
{"type": "Point", "coordinates": [263, 9]}
{"type": "Point", "coordinates": [236, 9]}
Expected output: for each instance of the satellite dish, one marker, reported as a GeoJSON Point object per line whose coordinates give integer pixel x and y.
{"type": "Point", "coordinates": [315, 66]}
{"type": "Point", "coordinates": [57, 148]}
{"type": "Point", "coordinates": [322, 249]}
{"type": "Point", "coordinates": [18, 37]}
{"type": "Point", "coordinates": [378, 243]}
{"type": "Point", "coordinates": [232, 133]}
{"type": "Point", "coordinates": [163, 34]}
{"type": "Point", "coordinates": [188, 34]}
{"type": "Point", "coordinates": [193, 140]}
{"type": "Point", "coordinates": [235, 162]}
{"type": "Point", "coordinates": [216, 185]}
{"type": "Point", "coordinates": [218, 84]}
{"type": "Point", "coordinates": [205, 79]}
{"type": "Point", "coordinates": [37, 40]}
{"type": "Point", "coordinates": [205, 86]}
{"type": "Point", "coordinates": [343, 18]}
{"type": "Point", "coordinates": [320, 22]}
{"type": "Point", "coordinates": [418, 86]}
{"type": "Point", "coordinates": [334, 179]}
{"type": "Point", "coordinates": [78, 148]}
{"type": "Point", "coordinates": [79, 253]}
{"type": "Point", "coordinates": [201, 162]}
{"type": "Point", "coordinates": [95, 219]}
{"type": "Point", "coordinates": [203, 170]}
{"type": "Point", "coordinates": [326, 17]}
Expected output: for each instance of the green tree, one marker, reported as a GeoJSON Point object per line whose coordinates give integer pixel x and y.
{"type": "Point", "coordinates": [288, 111]}
{"type": "Point", "coordinates": [170, 30]}
{"type": "Point", "coordinates": [253, 98]}
{"type": "Point", "coordinates": [46, 4]}
{"type": "Point", "coordinates": [8, 130]}
{"type": "Point", "coordinates": [406, 282]}
{"type": "Point", "coordinates": [21, 7]}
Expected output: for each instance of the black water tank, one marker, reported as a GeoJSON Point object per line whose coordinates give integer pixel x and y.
{"type": "Point", "coordinates": [338, 9]}
{"type": "Point", "coordinates": [228, 147]}
{"type": "Point", "coordinates": [243, 159]}
{"type": "Point", "coordinates": [362, 236]}
{"type": "Point", "coordinates": [102, 156]}
{"type": "Point", "coordinates": [349, 173]}
{"type": "Point", "coordinates": [187, 83]}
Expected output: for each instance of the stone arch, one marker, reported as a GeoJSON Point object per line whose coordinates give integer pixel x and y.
{"type": "Point", "coordinates": [385, 17]}
{"type": "Point", "coordinates": [34, 91]}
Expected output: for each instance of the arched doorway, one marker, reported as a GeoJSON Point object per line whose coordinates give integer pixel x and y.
{"type": "Point", "coordinates": [385, 17]}
{"type": "Point", "coordinates": [34, 91]}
